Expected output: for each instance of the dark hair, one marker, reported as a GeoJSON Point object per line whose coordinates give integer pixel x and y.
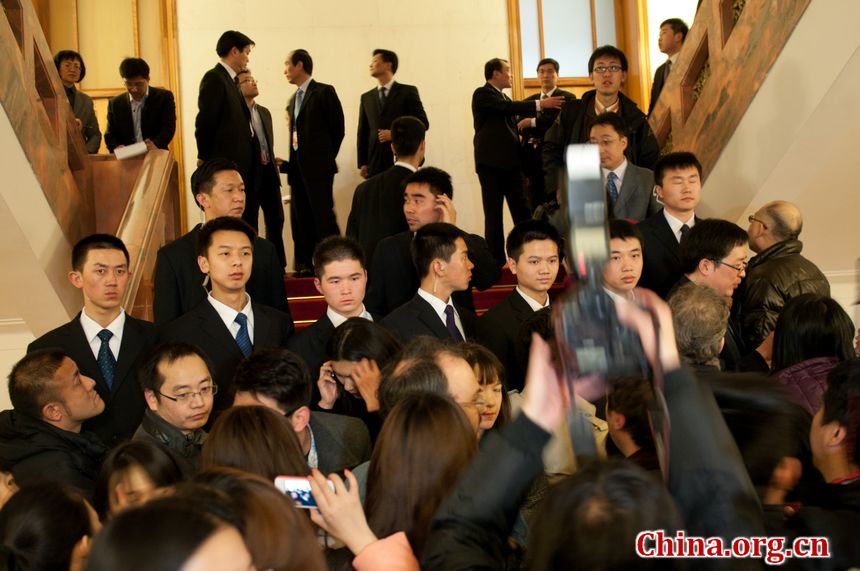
{"type": "Point", "coordinates": [357, 338]}
{"type": "Point", "coordinates": [95, 242]}
{"type": "Point", "coordinates": [409, 377]}
{"type": "Point", "coordinates": [178, 526]}
{"type": "Point", "coordinates": [841, 403]}
{"type": "Point", "coordinates": [489, 370]}
{"type": "Point", "coordinates": [412, 470]}
{"type": "Point", "coordinates": [678, 26]}
{"type": "Point", "coordinates": [278, 374]}
{"type": "Point", "coordinates": [493, 65]}
{"type": "Point", "coordinates": [31, 383]}
{"type": "Point", "coordinates": [42, 523]}
{"type": "Point", "coordinates": [545, 61]}
{"type": "Point", "coordinates": [336, 249]}
{"type": "Point", "coordinates": [613, 120]}
{"type": "Point", "coordinates": [255, 439]}
{"type": "Point", "coordinates": [149, 377]}
{"type": "Point", "coordinates": [675, 161]}
{"type": "Point", "coordinates": [222, 224]}
{"type": "Point", "coordinates": [809, 326]}
{"type": "Point", "coordinates": [277, 535]}
{"type": "Point", "coordinates": [623, 230]}
{"type": "Point", "coordinates": [701, 318]}
{"type": "Point", "coordinates": [630, 396]}
{"type": "Point", "coordinates": [607, 51]}
{"type": "Point", "coordinates": [155, 460]}
{"type": "Point", "coordinates": [438, 180]}
{"type": "Point", "coordinates": [64, 55]}
{"type": "Point", "coordinates": [132, 67]}
{"type": "Point", "coordinates": [303, 57]}
{"type": "Point", "coordinates": [232, 39]}
{"type": "Point", "coordinates": [407, 133]}
{"type": "Point", "coordinates": [530, 231]}
{"type": "Point", "coordinates": [388, 56]}
{"type": "Point", "coordinates": [591, 519]}
{"type": "Point", "coordinates": [203, 179]}
{"type": "Point", "coordinates": [712, 239]}
{"type": "Point", "coordinates": [434, 241]}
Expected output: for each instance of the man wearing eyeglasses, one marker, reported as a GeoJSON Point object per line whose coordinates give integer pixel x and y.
{"type": "Point", "coordinates": [179, 393]}
{"type": "Point", "coordinates": [144, 114]}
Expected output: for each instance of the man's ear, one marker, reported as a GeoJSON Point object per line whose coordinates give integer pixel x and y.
{"type": "Point", "coordinates": [705, 267]}
{"type": "Point", "coordinates": [53, 412]}
{"type": "Point", "coordinates": [76, 279]}
{"type": "Point", "coordinates": [835, 434]}
{"type": "Point", "coordinates": [616, 420]}
{"type": "Point", "coordinates": [512, 265]}
{"type": "Point", "coordinates": [318, 285]}
{"type": "Point", "coordinates": [623, 77]}
{"type": "Point", "coordinates": [202, 199]}
{"type": "Point", "coordinates": [658, 190]}
{"type": "Point", "coordinates": [203, 264]}
{"type": "Point", "coordinates": [438, 267]}
{"type": "Point", "coordinates": [300, 419]}
{"type": "Point", "coordinates": [151, 399]}
{"type": "Point", "coordinates": [624, 142]}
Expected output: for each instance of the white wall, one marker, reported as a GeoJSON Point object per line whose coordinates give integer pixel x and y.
{"type": "Point", "coordinates": [442, 46]}
{"type": "Point", "coordinates": [660, 11]}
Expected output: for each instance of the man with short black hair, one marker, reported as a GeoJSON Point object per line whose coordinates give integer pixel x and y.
{"type": "Point", "coordinates": [670, 41]}
{"type": "Point", "coordinates": [279, 380]}
{"type": "Point", "coordinates": [103, 340]}
{"type": "Point", "coordinates": [144, 114]}
{"type": "Point", "coordinates": [179, 391]}
{"type": "Point", "coordinates": [179, 285]}
{"type": "Point", "coordinates": [379, 108]}
{"type": "Point", "coordinates": [428, 197]}
{"type": "Point", "coordinates": [228, 325]}
{"type": "Point", "coordinates": [377, 205]}
{"type": "Point", "coordinates": [41, 437]}
{"type": "Point", "coordinates": [627, 403]}
{"type": "Point", "coordinates": [622, 271]}
{"type": "Point", "coordinates": [534, 255]}
{"type": "Point", "coordinates": [440, 254]}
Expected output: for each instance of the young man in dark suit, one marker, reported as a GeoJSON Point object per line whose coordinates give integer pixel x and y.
{"type": "Point", "coordinates": [279, 380]}
{"type": "Point", "coordinates": [223, 125]}
{"type": "Point", "coordinates": [341, 278]}
{"type": "Point", "coordinates": [145, 114]}
{"type": "Point", "coordinates": [377, 205]}
{"type": "Point", "coordinates": [393, 278]}
{"type": "Point", "coordinates": [228, 325]}
{"type": "Point", "coordinates": [440, 253]}
{"type": "Point", "coordinates": [678, 178]}
{"type": "Point", "coordinates": [534, 253]}
{"type": "Point", "coordinates": [533, 130]}
{"type": "Point", "coordinates": [497, 150]}
{"type": "Point", "coordinates": [104, 341]}
{"type": "Point", "coordinates": [670, 41]}
{"type": "Point", "coordinates": [379, 108]}
{"type": "Point", "coordinates": [266, 193]}
{"type": "Point", "coordinates": [316, 130]}
{"type": "Point", "coordinates": [179, 284]}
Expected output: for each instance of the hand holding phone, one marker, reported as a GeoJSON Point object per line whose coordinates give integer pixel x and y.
{"type": "Point", "coordinates": [339, 510]}
{"type": "Point", "coordinates": [327, 384]}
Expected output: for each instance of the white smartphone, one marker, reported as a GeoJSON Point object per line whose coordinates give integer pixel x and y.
{"type": "Point", "coordinates": [299, 489]}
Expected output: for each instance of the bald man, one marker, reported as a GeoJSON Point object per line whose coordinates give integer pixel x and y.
{"type": "Point", "coordinates": [777, 273]}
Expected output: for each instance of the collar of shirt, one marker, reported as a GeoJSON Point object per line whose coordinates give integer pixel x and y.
{"type": "Point", "coordinates": [674, 58]}
{"type": "Point", "coordinates": [337, 319]}
{"type": "Point", "coordinates": [532, 302]}
{"type": "Point", "coordinates": [228, 315]}
{"type": "Point", "coordinates": [676, 224]}
{"type": "Point", "coordinates": [549, 93]}
{"type": "Point", "coordinates": [619, 172]}
{"type": "Point", "coordinates": [496, 88]}
{"type": "Point", "coordinates": [304, 87]}
{"type": "Point", "coordinates": [405, 165]}
{"type": "Point", "coordinates": [439, 307]}
{"type": "Point", "coordinates": [92, 329]}
{"type": "Point", "coordinates": [387, 86]}
{"type": "Point", "coordinates": [135, 102]}
{"type": "Point", "coordinates": [617, 296]}
{"type": "Point", "coordinates": [313, 455]}
{"type": "Point", "coordinates": [229, 70]}
{"type": "Point", "coordinates": [614, 108]}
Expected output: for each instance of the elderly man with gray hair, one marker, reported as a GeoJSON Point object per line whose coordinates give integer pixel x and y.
{"type": "Point", "coordinates": [701, 316]}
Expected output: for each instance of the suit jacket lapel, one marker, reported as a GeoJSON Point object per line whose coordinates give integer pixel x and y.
{"type": "Point", "coordinates": [631, 182]}
{"type": "Point", "coordinates": [520, 307]}
{"type": "Point", "coordinates": [128, 351]}
{"type": "Point", "coordinates": [428, 316]}
{"type": "Point", "coordinates": [266, 333]}
{"type": "Point", "coordinates": [664, 234]}
{"type": "Point", "coordinates": [80, 347]}
{"type": "Point", "coordinates": [211, 325]}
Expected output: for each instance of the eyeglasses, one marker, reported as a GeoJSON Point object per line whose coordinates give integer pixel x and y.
{"type": "Point", "coordinates": [754, 219]}
{"type": "Point", "coordinates": [605, 68]}
{"type": "Point", "coordinates": [251, 81]}
{"type": "Point", "coordinates": [603, 142]}
{"type": "Point", "coordinates": [741, 269]}
{"type": "Point", "coordinates": [204, 393]}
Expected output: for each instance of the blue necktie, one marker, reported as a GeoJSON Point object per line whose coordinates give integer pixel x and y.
{"type": "Point", "coordinates": [451, 324]}
{"type": "Point", "coordinates": [106, 360]}
{"type": "Point", "coordinates": [243, 340]}
{"type": "Point", "coordinates": [612, 187]}
{"type": "Point", "coordinates": [299, 96]}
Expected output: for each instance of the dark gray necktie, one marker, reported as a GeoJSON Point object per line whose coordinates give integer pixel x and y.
{"type": "Point", "coordinates": [451, 324]}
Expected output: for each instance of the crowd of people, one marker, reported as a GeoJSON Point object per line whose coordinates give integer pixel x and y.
{"type": "Point", "coordinates": [431, 437]}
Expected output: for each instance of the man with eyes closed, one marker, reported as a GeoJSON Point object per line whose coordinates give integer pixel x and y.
{"type": "Point", "coordinates": [228, 325]}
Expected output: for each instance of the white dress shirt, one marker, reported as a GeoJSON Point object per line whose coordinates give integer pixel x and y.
{"type": "Point", "coordinates": [92, 329]}
{"type": "Point", "coordinates": [337, 319]}
{"type": "Point", "coordinates": [532, 302]}
{"type": "Point", "coordinates": [228, 316]}
{"type": "Point", "coordinates": [539, 110]}
{"type": "Point", "coordinates": [439, 307]}
{"type": "Point", "coordinates": [136, 112]}
{"type": "Point", "coordinates": [229, 70]}
{"type": "Point", "coordinates": [676, 224]}
{"type": "Point", "coordinates": [405, 165]}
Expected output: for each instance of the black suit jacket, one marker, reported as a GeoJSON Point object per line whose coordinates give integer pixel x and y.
{"type": "Point", "coordinates": [124, 403]}
{"type": "Point", "coordinates": [203, 327]}
{"type": "Point", "coordinates": [157, 120]}
{"type": "Point", "coordinates": [657, 86]}
{"type": "Point", "coordinates": [320, 130]}
{"type": "Point", "coordinates": [497, 143]}
{"type": "Point", "coordinates": [270, 171]}
{"type": "Point", "coordinates": [223, 124]}
{"type": "Point", "coordinates": [178, 281]}
{"type": "Point", "coordinates": [661, 261]}
{"type": "Point", "coordinates": [377, 210]}
{"type": "Point", "coordinates": [417, 317]}
{"type": "Point", "coordinates": [393, 279]}
{"type": "Point", "coordinates": [401, 100]}
{"type": "Point", "coordinates": [498, 331]}
{"type": "Point", "coordinates": [343, 442]}
{"type": "Point", "coordinates": [310, 344]}
{"type": "Point", "coordinates": [532, 152]}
